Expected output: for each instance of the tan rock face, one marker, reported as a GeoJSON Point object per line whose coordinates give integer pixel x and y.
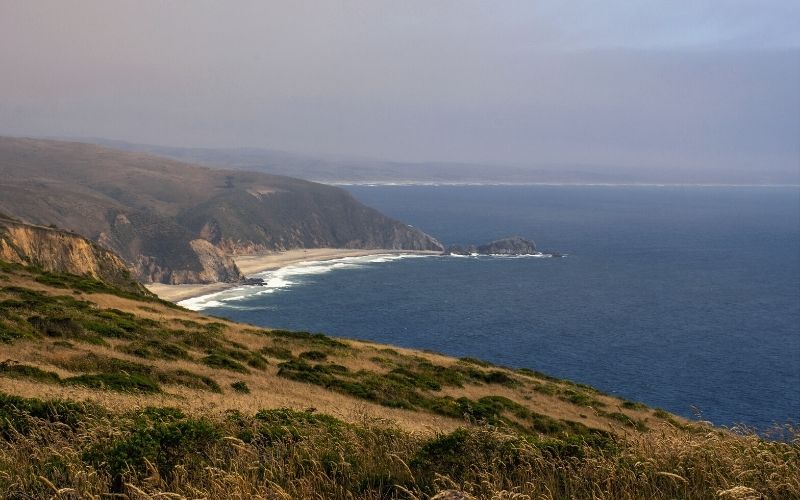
{"type": "Point", "coordinates": [216, 265]}
{"type": "Point", "coordinates": [55, 250]}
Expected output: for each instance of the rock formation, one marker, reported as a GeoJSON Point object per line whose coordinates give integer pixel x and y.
{"type": "Point", "coordinates": [507, 246]}
{"type": "Point", "coordinates": [59, 251]}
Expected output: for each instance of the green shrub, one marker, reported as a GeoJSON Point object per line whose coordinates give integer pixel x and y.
{"type": "Point", "coordinates": [631, 405]}
{"type": "Point", "coordinates": [21, 413]}
{"type": "Point", "coordinates": [313, 355]}
{"type": "Point", "coordinates": [455, 454]}
{"type": "Point", "coordinates": [96, 363]}
{"type": "Point", "coordinates": [122, 382]}
{"type": "Point", "coordinates": [276, 352]}
{"type": "Point", "coordinates": [13, 369]}
{"type": "Point", "coordinates": [309, 338]}
{"type": "Point", "coordinates": [163, 439]}
{"type": "Point", "coordinates": [219, 360]}
{"type": "Point", "coordinates": [187, 379]}
{"type": "Point", "coordinates": [9, 335]}
{"type": "Point", "coordinates": [257, 361]}
{"type": "Point", "coordinates": [155, 349]}
{"type": "Point", "coordinates": [240, 387]}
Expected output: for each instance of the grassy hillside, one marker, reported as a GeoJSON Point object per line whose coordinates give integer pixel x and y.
{"type": "Point", "coordinates": [174, 222]}
{"type": "Point", "coordinates": [105, 390]}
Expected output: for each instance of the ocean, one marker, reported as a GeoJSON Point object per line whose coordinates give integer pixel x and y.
{"type": "Point", "coordinates": [684, 298]}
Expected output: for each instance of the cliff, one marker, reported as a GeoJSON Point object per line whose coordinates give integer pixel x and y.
{"type": "Point", "coordinates": [174, 222]}
{"type": "Point", "coordinates": [58, 251]}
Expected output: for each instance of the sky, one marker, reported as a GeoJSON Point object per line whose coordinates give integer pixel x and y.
{"type": "Point", "coordinates": [646, 84]}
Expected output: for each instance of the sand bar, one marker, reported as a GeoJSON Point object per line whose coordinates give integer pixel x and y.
{"type": "Point", "coordinates": [251, 264]}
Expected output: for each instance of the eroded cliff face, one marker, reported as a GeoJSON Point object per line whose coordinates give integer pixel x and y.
{"type": "Point", "coordinates": [55, 250]}
{"type": "Point", "coordinates": [212, 265]}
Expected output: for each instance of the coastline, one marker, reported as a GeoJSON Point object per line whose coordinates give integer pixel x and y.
{"type": "Point", "coordinates": [252, 264]}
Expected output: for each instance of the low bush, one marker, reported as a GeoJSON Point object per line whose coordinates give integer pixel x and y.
{"type": "Point", "coordinates": [313, 355]}
{"type": "Point", "coordinates": [122, 382]}
{"type": "Point", "coordinates": [13, 369]}
{"type": "Point", "coordinates": [222, 361]}
{"type": "Point", "coordinates": [240, 387]}
{"type": "Point", "coordinates": [276, 352]}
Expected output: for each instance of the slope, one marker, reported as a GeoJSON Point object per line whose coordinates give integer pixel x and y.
{"type": "Point", "coordinates": [176, 223]}
{"type": "Point", "coordinates": [103, 391]}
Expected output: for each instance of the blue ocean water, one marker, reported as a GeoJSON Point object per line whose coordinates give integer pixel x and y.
{"type": "Point", "coordinates": [685, 298]}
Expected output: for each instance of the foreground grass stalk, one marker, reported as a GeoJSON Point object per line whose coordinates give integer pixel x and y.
{"type": "Point", "coordinates": [82, 452]}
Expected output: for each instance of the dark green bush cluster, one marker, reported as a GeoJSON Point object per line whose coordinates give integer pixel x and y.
{"type": "Point", "coordinates": [276, 352]}
{"type": "Point", "coordinates": [122, 382]}
{"type": "Point", "coordinates": [85, 451]}
{"type": "Point", "coordinates": [631, 405]}
{"type": "Point", "coordinates": [111, 374]}
{"type": "Point", "coordinates": [66, 318]}
{"type": "Point", "coordinates": [10, 368]}
{"type": "Point", "coordinates": [240, 387]}
{"type": "Point", "coordinates": [24, 415]}
{"type": "Point", "coordinates": [313, 355]}
{"type": "Point", "coordinates": [162, 436]}
{"type": "Point", "coordinates": [309, 339]}
{"type": "Point", "coordinates": [405, 388]}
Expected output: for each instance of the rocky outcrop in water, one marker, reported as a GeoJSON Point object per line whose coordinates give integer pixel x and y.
{"type": "Point", "coordinates": [507, 246]}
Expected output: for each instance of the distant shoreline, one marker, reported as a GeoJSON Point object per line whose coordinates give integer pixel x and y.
{"type": "Point", "coordinates": [412, 183]}
{"type": "Point", "coordinates": [253, 264]}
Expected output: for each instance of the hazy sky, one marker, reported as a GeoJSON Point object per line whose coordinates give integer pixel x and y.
{"type": "Point", "coordinates": [650, 83]}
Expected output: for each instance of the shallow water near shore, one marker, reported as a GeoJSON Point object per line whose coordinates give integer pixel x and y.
{"type": "Point", "coordinates": [686, 298]}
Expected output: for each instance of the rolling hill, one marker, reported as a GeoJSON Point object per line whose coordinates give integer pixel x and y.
{"type": "Point", "coordinates": [174, 222]}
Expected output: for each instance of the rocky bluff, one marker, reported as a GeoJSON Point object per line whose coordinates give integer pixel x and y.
{"type": "Point", "coordinates": [507, 246]}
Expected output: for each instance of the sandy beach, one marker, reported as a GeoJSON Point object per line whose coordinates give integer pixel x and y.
{"type": "Point", "coordinates": [251, 264]}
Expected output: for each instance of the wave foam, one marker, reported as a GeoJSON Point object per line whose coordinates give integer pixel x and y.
{"type": "Point", "coordinates": [286, 277]}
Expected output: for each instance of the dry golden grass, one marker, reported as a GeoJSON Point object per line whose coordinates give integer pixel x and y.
{"type": "Point", "coordinates": [373, 450]}
{"type": "Point", "coordinates": [373, 460]}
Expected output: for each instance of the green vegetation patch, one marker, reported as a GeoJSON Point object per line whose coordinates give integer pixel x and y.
{"type": "Point", "coordinates": [222, 361]}
{"type": "Point", "coordinates": [631, 405]}
{"type": "Point", "coordinates": [313, 355]}
{"type": "Point", "coordinates": [23, 415]}
{"type": "Point", "coordinates": [155, 349]}
{"type": "Point", "coordinates": [286, 453]}
{"type": "Point", "coordinates": [122, 382]}
{"type": "Point", "coordinates": [309, 339]}
{"type": "Point", "coordinates": [160, 436]}
{"type": "Point", "coordinates": [188, 379]}
{"type": "Point", "coordinates": [13, 369]}
{"type": "Point", "coordinates": [240, 387]}
{"type": "Point", "coordinates": [276, 352]}
{"type": "Point", "coordinates": [414, 390]}
{"type": "Point", "coordinates": [103, 365]}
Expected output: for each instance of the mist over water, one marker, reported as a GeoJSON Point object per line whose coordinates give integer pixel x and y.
{"type": "Point", "coordinates": [684, 298]}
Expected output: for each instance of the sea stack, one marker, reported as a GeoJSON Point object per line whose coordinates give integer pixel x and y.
{"type": "Point", "coordinates": [513, 245]}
